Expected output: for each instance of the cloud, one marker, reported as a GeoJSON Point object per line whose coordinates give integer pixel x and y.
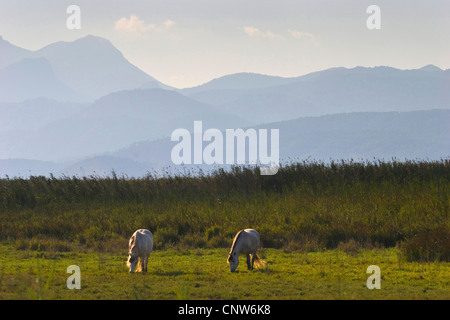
{"type": "Point", "coordinates": [132, 25]}
{"type": "Point", "coordinates": [252, 31]}
{"type": "Point", "coordinates": [255, 32]}
{"type": "Point", "coordinates": [137, 28]}
{"type": "Point", "coordinates": [303, 36]}
{"type": "Point", "coordinates": [299, 35]}
{"type": "Point", "coordinates": [168, 24]}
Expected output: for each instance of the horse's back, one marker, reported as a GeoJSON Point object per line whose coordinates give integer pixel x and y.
{"type": "Point", "coordinates": [252, 232]}
{"type": "Point", "coordinates": [254, 239]}
{"type": "Point", "coordinates": [144, 239]}
{"type": "Point", "coordinates": [144, 232]}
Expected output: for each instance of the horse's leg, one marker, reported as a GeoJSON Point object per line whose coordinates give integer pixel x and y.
{"type": "Point", "coordinates": [249, 265]}
{"type": "Point", "coordinates": [145, 263]}
{"type": "Point", "coordinates": [141, 263]}
{"type": "Point", "coordinates": [253, 258]}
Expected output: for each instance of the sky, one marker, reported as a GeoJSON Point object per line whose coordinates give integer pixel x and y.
{"type": "Point", "coordinates": [185, 43]}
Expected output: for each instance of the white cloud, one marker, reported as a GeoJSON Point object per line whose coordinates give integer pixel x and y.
{"type": "Point", "coordinates": [303, 36]}
{"type": "Point", "coordinates": [137, 28]}
{"type": "Point", "coordinates": [132, 25]}
{"type": "Point", "coordinates": [255, 32]}
{"type": "Point", "coordinates": [251, 31]}
{"type": "Point", "coordinates": [168, 24]}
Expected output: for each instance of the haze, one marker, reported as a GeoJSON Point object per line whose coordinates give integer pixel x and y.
{"type": "Point", "coordinates": [187, 43]}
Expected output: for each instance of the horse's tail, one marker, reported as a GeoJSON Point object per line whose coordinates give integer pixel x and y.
{"type": "Point", "coordinates": [258, 262]}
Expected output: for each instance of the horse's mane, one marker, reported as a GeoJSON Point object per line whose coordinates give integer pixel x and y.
{"type": "Point", "coordinates": [236, 239]}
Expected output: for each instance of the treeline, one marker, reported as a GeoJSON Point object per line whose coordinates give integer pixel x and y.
{"type": "Point", "coordinates": [305, 206]}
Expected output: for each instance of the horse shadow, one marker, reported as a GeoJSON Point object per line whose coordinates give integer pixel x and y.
{"type": "Point", "coordinates": [169, 273]}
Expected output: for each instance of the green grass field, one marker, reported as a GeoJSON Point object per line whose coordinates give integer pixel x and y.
{"type": "Point", "coordinates": [204, 274]}
{"type": "Point", "coordinates": [321, 226]}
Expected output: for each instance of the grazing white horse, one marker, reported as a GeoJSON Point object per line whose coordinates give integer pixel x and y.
{"type": "Point", "coordinates": [246, 241]}
{"type": "Point", "coordinates": [140, 246]}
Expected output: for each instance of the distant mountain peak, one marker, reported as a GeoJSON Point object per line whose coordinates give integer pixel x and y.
{"type": "Point", "coordinates": [430, 67]}
{"type": "Point", "coordinates": [93, 39]}
{"type": "Point", "coordinates": [240, 81]}
{"type": "Point", "coordinates": [4, 43]}
{"type": "Point", "coordinates": [10, 53]}
{"type": "Point", "coordinates": [91, 36]}
{"type": "Point", "coordinates": [94, 67]}
{"type": "Point", "coordinates": [89, 41]}
{"type": "Point", "coordinates": [32, 78]}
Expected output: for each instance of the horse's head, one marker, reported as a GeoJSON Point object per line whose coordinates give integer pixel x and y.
{"type": "Point", "coordinates": [233, 260]}
{"type": "Point", "coordinates": [132, 262]}
{"type": "Point", "coordinates": [132, 256]}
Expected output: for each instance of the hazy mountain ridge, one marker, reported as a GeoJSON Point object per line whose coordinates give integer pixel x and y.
{"type": "Point", "coordinates": [35, 113]}
{"type": "Point", "coordinates": [93, 67]}
{"type": "Point", "coordinates": [414, 134]}
{"type": "Point", "coordinates": [358, 136]}
{"type": "Point", "coordinates": [90, 67]}
{"type": "Point", "coordinates": [334, 113]}
{"type": "Point", "coordinates": [10, 53]}
{"type": "Point", "coordinates": [113, 122]}
{"type": "Point", "coordinates": [239, 81]}
{"type": "Point", "coordinates": [336, 90]}
{"type": "Point", "coordinates": [32, 78]}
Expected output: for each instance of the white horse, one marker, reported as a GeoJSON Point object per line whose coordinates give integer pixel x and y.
{"type": "Point", "coordinates": [246, 241]}
{"type": "Point", "coordinates": [140, 246]}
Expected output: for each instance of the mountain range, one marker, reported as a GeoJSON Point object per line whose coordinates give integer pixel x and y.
{"type": "Point", "coordinates": [81, 108]}
{"type": "Point", "coordinates": [330, 91]}
{"type": "Point", "coordinates": [90, 67]}
{"type": "Point", "coordinates": [115, 121]}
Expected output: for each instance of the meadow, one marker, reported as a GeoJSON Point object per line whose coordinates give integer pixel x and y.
{"type": "Point", "coordinates": [204, 274]}
{"type": "Point", "coordinates": [321, 226]}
